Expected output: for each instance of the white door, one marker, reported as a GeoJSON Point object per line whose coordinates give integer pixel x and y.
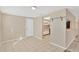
{"type": "Point", "coordinates": [58, 31]}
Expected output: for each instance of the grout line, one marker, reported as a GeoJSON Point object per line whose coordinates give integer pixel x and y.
{"type": "Point", "coordinates": [70, 43]}
{"type": "Point", "coordinates": [57, 45]}
{"type": "Point", "coordinates": [61, 47]}
{"type": "Point", "coordinates": [17, 39]}
{"type": "Point", "coordinates": [21, 38]}
{"type": "Point", "coordinates": [11, 40]}
{"type": "Point", "coordinates": [8, 41]}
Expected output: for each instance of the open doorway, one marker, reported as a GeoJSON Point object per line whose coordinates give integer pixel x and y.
{"type": "Point", "coordinates": [46, 28]}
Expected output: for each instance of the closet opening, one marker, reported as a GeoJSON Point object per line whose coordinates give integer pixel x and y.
{"type": "Point", "coordinates": [46, 28]}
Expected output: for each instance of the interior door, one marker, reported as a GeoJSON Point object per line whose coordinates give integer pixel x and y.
{"type": "Point", "coordinates": [58, 31]}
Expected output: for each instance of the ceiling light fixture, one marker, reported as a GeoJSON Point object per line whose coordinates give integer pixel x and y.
{"type": "Point", "coordinates": [48, 18]}
{"type": "Point", "coordinates": [34, 7]}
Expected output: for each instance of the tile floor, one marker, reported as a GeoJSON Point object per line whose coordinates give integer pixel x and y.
{"type": "Point", "coordinates": [74, 47]}
{"type": "Point", "coordinates": [30, 44]}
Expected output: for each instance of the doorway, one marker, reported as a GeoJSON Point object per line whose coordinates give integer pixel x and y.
{"type": "Point", "coordinates": [46, 29]}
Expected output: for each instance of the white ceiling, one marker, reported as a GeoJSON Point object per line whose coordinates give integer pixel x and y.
{"type": "Point", "coordinates": [40, 11]}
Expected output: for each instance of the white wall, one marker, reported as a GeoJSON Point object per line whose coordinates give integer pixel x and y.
{"type": "Point", "coordinates": [29, 27]}
{"type": "Point", "coordinates": [13, 27]}
{"type": "Point", "coordinates": [38, 27]}
{"type": "Point", "coordinates": [71, 33]}
{"type": "Point", "coordinates": [0, 26]}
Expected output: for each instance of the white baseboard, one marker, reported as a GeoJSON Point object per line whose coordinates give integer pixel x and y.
{"type": "Point", "coordinates": [57, 45]}
{"type": "Point", "coordinates": [62, 46]}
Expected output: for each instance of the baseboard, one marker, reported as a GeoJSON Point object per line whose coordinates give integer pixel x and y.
{"type": "Point", "coordinates": [62, 46]}
{"type": "Point", "coordinates": [57, 45]}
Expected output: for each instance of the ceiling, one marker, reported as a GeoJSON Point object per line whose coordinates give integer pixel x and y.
{"type": "Point", "coordinates": [40, 11]}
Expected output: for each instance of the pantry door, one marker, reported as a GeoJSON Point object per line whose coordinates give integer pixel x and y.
{"type": "Point", "coordinates": [58, 31]}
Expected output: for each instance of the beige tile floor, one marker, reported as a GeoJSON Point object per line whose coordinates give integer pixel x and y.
{"type": "Point", "coordinates": [30, 44]}
{"type": "Point", "coordinates": [33, 44]}
{"type": "Point", "coordinates": [74, 47]}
